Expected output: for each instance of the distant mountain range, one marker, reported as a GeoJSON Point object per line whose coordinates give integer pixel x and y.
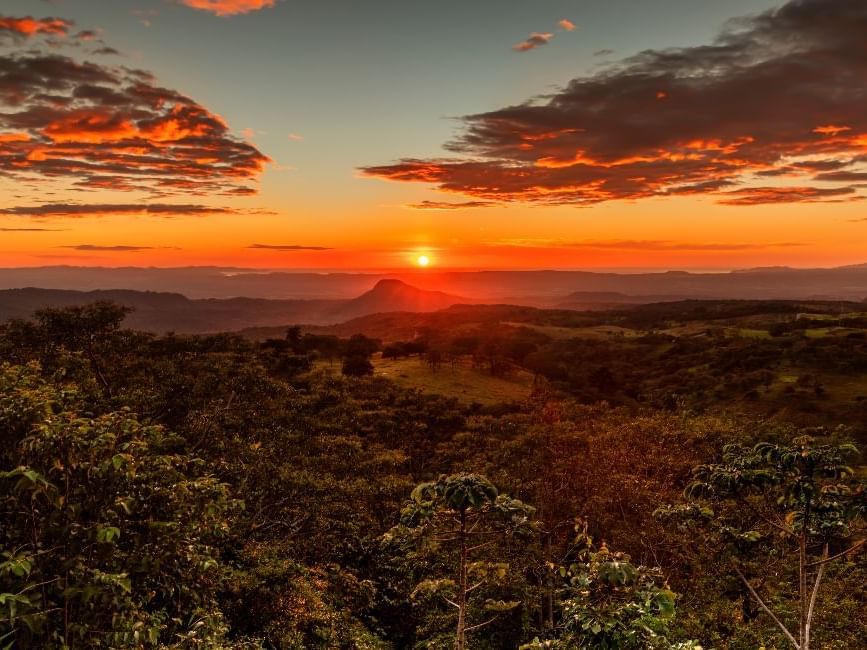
{"type": "Point", "coordinates": [536, 288]}
{"type": "Point", "coordinates": [163, 312]}
{"type": "Point", "coordinates": [211, 300]}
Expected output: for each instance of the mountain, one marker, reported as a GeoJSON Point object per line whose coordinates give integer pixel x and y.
{"type": "Point", "coordinates": [164, 312]}
{"type": "Point", "coordinates": [396, 295]}
{"type": "Point", "coordinates": [539, 288]}
{"type": "Point", "coordinates": [603, 300]}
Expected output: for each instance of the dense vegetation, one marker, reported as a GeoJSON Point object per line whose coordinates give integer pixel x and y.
{"type": "Point", "coordinates": [654, 490]}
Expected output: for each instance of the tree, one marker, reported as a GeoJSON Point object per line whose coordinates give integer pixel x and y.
{"type": "Point", "coordinates": [434, 359]}
{"type": "Point", "coordinates": [357, 366]}
{"type": "Point", "coordinates": [108, 539]}
{"type": "Point", "coordinates": [609, 603]}
{"type": "Point", "coordinates": [465, 514]}
{"type": "Point", "coordinates": [83, 329]}
{"type": "Point", "coordinates": [360, 345]}
{"type": "Point", "coordinates": [293, 338]}
{"type": "Point", "coordinates": [790, 504]}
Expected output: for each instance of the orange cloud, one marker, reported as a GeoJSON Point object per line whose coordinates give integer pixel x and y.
{"type": "Point", "coordinates": [229, 7]}
{"type": "Point", "coordinates": [567, 24]}
{"type": "Point", "coordinates": [29, 26]}
{"type": "Point", "coordinates": [536, 39]}
{"type": "Point", "coordinates": [831, 129]}
{"type": "Point", "coordinates": [110, 127]}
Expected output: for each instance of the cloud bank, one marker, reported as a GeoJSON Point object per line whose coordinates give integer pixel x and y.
{"type": "Point", "coordinates": [112, 127]}
{"type": "Point", "coordinates": [780, 96]}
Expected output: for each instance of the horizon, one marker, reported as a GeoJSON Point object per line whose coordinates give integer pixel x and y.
{"type": "Point", "coordinates": [338, 138]}
{"type": "Point", "coordinates": [423, 272]}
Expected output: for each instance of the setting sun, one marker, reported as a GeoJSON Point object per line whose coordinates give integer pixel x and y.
{"type": "Point", "coordinates": [423, 261]}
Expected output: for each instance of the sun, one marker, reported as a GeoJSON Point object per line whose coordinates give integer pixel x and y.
{"type": "Point", "coordinates": [422, 261]}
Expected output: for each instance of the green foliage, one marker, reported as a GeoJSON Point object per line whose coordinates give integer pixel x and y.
{"type": "Point", "coordinates": [464, 524]}
{"type": "Point", "coordinates": [781, 509]}
{"type": "Point", "coordinates": [610, 603]}
{"type": "Point", "coordinates": [117, 527]}
{"type": "Point", "coordinates": [108, 539]}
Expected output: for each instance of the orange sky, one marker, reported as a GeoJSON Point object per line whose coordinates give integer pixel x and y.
{"type": "Point", "coordinates": [750, 154]}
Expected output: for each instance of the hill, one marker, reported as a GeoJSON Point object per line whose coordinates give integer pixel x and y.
{"type": "Point", "coordinates": [164, 312]}
{"type": "Point", "coordinates": [395, 295]}
{"type": "Point", "coordinates": [537, 288]}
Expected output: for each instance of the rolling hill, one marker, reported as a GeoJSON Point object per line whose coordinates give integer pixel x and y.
{"type": "Point", "coordinates": [164, 312]}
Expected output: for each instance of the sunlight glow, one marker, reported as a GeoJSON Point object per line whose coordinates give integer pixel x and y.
{"type": "Point", "coordinates": [423, 261]}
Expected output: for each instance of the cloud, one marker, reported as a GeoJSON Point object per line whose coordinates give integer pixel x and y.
{"type": "Point", "coordinates": [536, 39]}
{"type": "Point", "coordinates": [229, 7]}
{"type": "Point", "coordinates": [766, 195]}
{"type": "Point", "coordinates": [114, 249]}
{"type": "Point", "coordinates": [106, 51]}
{"type": "Point", "coordinates": [295, 137]}
{"type": "Point", "coordinates": [843, 177]}
{"type": "Point", "coordinates": [603, 52]}
{"type": "Point", "coordinates": [31, 229]}
{"type": "Point", "coordinates": [773, 93]}
{"type": "Point", "coordinates": [288, 247]}
{"type": "Point", "coordinates": [113, 127]}
{"type": "Point", "coordinates": [28, 26]}
{"type": "Point", "coordinates": [446, 205]}
{"type": "Point", "coordinates": [567, 25]}
{"type": "Point", "coordinates": [106, 209]}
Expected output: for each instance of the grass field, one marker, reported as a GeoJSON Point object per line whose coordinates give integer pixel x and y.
{"type": "Point", "coordinates": [461, 381]}
{"type": "Point", "coordinates": [593, 332]}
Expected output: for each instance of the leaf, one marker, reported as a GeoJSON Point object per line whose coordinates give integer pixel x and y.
{"type": "Point", "coordinates": [107, 534]}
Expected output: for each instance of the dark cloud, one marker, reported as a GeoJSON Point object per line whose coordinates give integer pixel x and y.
{"type": "Point", "coordinates": [843, 177]}
{"type": "Point", "coordinates": [113, 127]}
{"type": "Point", "coordinates": [288, 247]}
{"type": "Point", "coordinates": [778, 94]}
{"type": "Point", "coordinates": [31, 229]}
{"type": "Point", "coordinates": [113, 249]}
{"type": "Point", "coordinates": [105, 209]}
{"type": "Point", "coordinates": [446, 205]}
{"type": "Point", "coordinates": [765, 195]}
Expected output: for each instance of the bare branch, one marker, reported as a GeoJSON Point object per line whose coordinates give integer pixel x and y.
{"type": "Point", "coordinates": [475, 586]}
{"type": "Point", "coordinates": [766, 608]}
{"type": "Point", "coordinates": [851, 549]}
{"type": "Point", "coordinates": [480, 625]}
{"type": "Point", "coordinates": [814, 595]}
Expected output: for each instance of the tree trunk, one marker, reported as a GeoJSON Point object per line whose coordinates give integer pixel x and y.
{"type": "Point", "coordinates": [802, 589]}
{"type": "Point", "coordinates": [461, 637]}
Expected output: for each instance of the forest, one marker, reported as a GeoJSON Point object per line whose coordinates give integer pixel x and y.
{"type": "Point", "coordinates": [674, 476]}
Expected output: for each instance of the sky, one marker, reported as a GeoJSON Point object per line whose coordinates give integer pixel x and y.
{"type": "Point", "coordinates": [364, 134]}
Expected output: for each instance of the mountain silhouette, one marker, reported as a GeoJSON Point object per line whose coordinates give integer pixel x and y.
{"type": "Point", "coordinates": [396, 295]}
